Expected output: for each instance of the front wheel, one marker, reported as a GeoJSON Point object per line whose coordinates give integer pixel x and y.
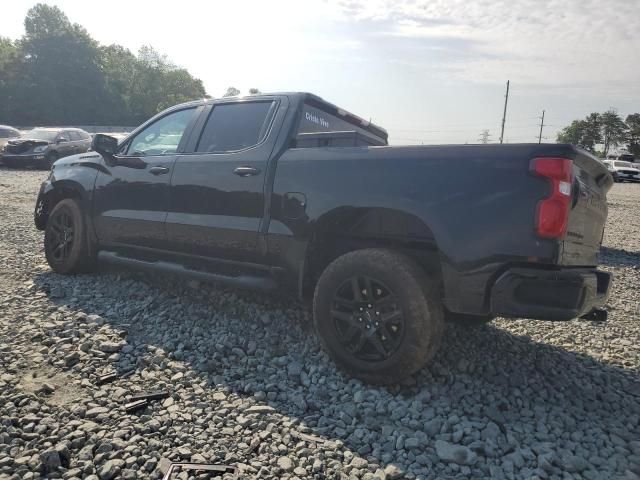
{"type": "Point", "coordinates": [66, 243]}
{"type": "Point", "coordinates": [378, 315]}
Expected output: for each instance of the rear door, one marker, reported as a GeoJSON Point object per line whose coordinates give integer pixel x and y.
{"type": "Point", "coordinates": [64, 146]}
{"type": "Point", "coordinates": [217, 197]}
{"type": "Point", "coordinates": [76, 142]}
{"type": "Point", "coordinates": [588, 213]}
{"type": "Point", "coordinates": [131, 198]}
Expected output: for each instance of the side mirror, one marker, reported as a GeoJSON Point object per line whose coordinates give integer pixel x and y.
{"type": "Point", "coordinates": [104, 145]}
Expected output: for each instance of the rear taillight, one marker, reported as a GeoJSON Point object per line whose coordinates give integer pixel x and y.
{"type": "Point", "coordinates": [553, 211]}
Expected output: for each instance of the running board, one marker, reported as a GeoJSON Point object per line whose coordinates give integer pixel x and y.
{"type": "Point", "coordinates": [243, 281]}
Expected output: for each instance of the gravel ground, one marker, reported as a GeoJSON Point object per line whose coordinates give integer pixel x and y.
{"type": "Point", "coordinates": [249, 385]}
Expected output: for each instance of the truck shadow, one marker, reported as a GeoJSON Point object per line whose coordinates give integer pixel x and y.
{"type": "Point", "coordinates": [494, 391]}
{"type": "Point", "coordinates": [616, 257]}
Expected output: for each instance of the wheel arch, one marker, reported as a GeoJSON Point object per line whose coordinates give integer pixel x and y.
{"type": "Point", "coordinates": [345, 229]}
{"type": "Point", "coordinates": [53, 194]}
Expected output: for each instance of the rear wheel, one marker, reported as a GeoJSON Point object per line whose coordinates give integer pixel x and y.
{"type": "Point", "coordinates": [378, 315]}
{"type": "Point", "coordinates": [65, 239]}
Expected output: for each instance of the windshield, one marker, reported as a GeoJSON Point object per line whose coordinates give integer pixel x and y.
{"type": "Point", "coordinates": [623, 164]}
{"type": "Point", "coordinates": [41, 134]}
{"type": "Point", "coordinates": [8, 133]}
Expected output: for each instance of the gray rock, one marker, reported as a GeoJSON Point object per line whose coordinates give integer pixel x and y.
{"type": "Point", "coordinates": [459, 454]}
{"type": "Point", "coordinates": [393, 471]}
{"type": "Point", "coordinates": [50, 460]}
{"type": "Point", "coordinates": [109, 469]}
{"type": "Point", "coordinates": [285, 463]}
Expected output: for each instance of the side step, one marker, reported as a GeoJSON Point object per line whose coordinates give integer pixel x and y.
{"type": "Point", "coordinates": [256, 282]}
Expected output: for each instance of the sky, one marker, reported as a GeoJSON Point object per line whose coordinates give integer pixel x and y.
{"type": "Point", "coordinates": [429, 71]}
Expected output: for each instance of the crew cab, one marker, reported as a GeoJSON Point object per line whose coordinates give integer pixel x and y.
{"type": "Point", "coordinates": [287, 191]}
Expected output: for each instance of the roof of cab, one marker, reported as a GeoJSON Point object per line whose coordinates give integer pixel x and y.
{"type": "Point", "coordinates": [305, 97]}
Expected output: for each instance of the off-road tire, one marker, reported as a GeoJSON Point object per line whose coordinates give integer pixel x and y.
{"type": "Point", "coordinates": [418, 297]}
{"type": "Point", "coordinates": [79, 259]}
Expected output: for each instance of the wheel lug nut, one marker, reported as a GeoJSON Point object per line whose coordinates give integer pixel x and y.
{"type": "Point", "coordinates": [369, 306]}
{"type": "Point", "coordinates": [361, 309]}
{"type": "Point", "coordinates": [377, 313]}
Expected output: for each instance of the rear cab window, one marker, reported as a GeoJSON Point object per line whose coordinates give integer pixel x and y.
{"type": "Point", "coordinates": [322, 124]}
{"type": "Point", "coordinates": [233, 127]}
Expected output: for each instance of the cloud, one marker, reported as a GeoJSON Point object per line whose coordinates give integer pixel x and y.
{"type": "Point", "coordinates": [542, 43]}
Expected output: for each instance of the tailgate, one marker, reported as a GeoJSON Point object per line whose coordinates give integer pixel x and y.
{"type": "Point", "coordinates": [588, 213]}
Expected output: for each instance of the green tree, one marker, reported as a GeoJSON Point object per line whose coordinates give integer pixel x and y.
{"type": "Point", "coordinates": [633, 124]}
{"type": "Point", "coordinates": [614, 130]}
{"type": "Point", "coordinates": [57, 74]}
{"type": "Point", "coordinates": [231, 92]}
{"type": "Point", "coordinates": [592, 133]}
{"type": "Point", "coordinates": [10, 66]}
{"type": "Point", "coordinates": [254, 91]}
{"type": "Point", "coordinates": [572, 133]}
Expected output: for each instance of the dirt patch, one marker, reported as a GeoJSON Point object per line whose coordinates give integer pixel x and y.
{"type": "Point", "coordinates": [55, 388]}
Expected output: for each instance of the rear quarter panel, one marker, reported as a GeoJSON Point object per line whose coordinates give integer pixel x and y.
{"type": "Point", "coordinates": [479, 202]}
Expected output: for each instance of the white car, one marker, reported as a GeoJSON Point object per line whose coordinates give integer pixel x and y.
{"type": "Point", "coordinates": [623, 171]}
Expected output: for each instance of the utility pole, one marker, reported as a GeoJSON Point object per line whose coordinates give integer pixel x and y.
{"type": "Point", "coordinates": [541, 125]}
{"type": "Point", "coordinates": [484, 136]}
{"type": "Point", "coordinates": [504, 115]}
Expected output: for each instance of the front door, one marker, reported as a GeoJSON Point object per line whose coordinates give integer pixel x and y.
{"type": "Point", "coordinates": [216, 200]}
{"type": "Point", "coordinates": [131, 198]}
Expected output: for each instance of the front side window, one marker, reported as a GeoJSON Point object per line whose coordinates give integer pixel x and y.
{"type": "Point", "coordinates": [75, 136]}
{"type": "Point", "coordinates": [236, 126]}
{"type": "Point", "coordinates": [63, 136]}
{"type": "Point", "coordinates": [163, 136]}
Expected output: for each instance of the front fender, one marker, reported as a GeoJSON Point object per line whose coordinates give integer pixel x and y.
{"type": "Point", "coordinates": [65, 181]}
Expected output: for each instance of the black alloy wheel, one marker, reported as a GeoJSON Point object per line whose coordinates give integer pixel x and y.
{"type": "Point", "coordinates": [368, 318]}
{"type": "Point", "coordinates": [62, 236]}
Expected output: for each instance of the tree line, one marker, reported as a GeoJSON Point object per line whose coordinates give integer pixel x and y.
{"type": "Point", "coordinates": [607, 129]}
{"type": "Point", "coordinates": [56, 74]}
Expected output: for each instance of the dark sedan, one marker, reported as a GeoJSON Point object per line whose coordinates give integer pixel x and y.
{"type": "Point", "coordinates": [41, 147]}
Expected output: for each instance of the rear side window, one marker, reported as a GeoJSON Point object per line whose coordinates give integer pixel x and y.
{"type": "Point", "coordinates": [236, 126]}
{"type": "Point", "coordinates": [74, 136]}
{"type": "Point", "coordinates": [9, 133]}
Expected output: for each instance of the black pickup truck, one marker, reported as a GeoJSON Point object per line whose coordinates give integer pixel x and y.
{"type": "Point", "coordinates": [287, 191]}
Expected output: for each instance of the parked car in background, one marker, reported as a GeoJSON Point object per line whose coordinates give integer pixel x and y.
{"type": "Point", "coordinates": [7, 133]}
{"type": "Point", "coordinates": [623, 171]}
{"type": "Point", "coordinates": [41, 147]}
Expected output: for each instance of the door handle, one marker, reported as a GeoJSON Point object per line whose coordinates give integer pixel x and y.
{"type": "Point", "coordinates": [157, 170]}
{"type": "Point", "coordinates": [246, 171]}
